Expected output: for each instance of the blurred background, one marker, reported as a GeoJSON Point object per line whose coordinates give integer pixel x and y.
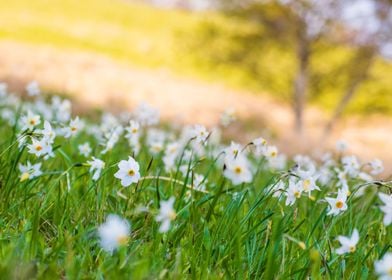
{"type": "Point", "coordinates": [303, 72]}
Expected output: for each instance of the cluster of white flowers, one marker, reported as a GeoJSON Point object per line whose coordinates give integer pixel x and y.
{"type": "Point", "coordinates": [332, 179]}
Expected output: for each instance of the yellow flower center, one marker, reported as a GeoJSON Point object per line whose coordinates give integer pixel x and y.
{"type": "Point", "coordinates": [134, 130]}
{"type": "Point", "coordinates": [352, 249]}
{"type": "Point", "coordinates": [390, 271]}
{"type": "Point", "coordinates": [339, 204]}
{"type": "Point", "coordinates": [32, 122]}
{"type": "Point", "coordinates": [172, 215]}
{"type": "Point", "coordinates": [297, 194]}
{"type": "Point", "coordinates": [73, 128]}
{"type": "Point", "coordinates": [131, 172]}
{"type": "Point", "coordinates": [38, 148]}
{"type": "Point", "coordinates": [122, 240]}
{"type": "Point", "coordinates": [238, 170]}
{"type": "Point", "coordinates": [306, 184]}
{"type": "Point", "coordinates": [24, 176]}
{"type": "Point", "coordinates": [273, 154]}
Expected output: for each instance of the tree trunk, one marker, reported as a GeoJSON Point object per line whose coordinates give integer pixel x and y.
{"type": "Point", "coordinates": [363, 68]}
{"type": "Point", "coordinates": [301, 82]}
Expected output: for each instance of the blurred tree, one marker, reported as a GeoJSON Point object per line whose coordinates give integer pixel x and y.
{"type": "Point", "coordinates": [370, 35]}
{"type": "Point", "coordinates": [302, 23]}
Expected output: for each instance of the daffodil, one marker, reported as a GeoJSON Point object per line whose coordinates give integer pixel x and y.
{"type": "Point", "coordinates": [166, 214]}
{"type": "Point", "coordinates": [348, 244]}
{"type": "Point", "coordinates": [337, 204]}
{"type": "Point", "coordinates": [113, 233]}
{"type": "Point", "coordinates": [128, 172]}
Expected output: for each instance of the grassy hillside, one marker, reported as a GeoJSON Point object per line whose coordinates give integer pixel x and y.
{"type": "Point", "coordinates": [207, 46]}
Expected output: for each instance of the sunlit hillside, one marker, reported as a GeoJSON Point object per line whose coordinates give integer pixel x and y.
{"type": "Point", "coordinates": [148, 37]}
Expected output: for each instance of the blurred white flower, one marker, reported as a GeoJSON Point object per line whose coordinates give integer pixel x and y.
{"type": "Point", "coordinates": [377, 167]}
{"type": "Point", "coordinates": [166, 214]}
{"type": "Point", "coordinates": [146, 115]}
{"type": "Point", "coordinates": [33, 89]}
{"type": "Point", "coordinates": [383, 267]}
{"type": "Point", "coordinates": [341, 146]}
{"type": "Point", "coordinates": [30, 121]}
{"type": "Point", "coordinates": [351, 165]}
{"type": "Point", "coordinates": [386, 208]}
{"type": "Point", "coordinates": [113, 233]}
{"type": "Point", "coordinates": [48, 133]}
{"type": "Point", "coordinates": [337, 204]}
{"type": "Point", "coordinates": [228, 116]}
{"type": "Point", "coordinates": [75, 125]}
{"type": "Point", "coordinates": [96, 166]}
{"type": "Point", "coordinates": [40, 147]}
{"type": "Point", "coordinates": [128, 172]}
{"type": "Point", "coordinates": [348, 244]}
{"type": "Point", "coordinates": [85, 149]}
{"type": "Point", "coordinates": [29, 171]}
{"type": "Point", "coordinates": [199, 133]}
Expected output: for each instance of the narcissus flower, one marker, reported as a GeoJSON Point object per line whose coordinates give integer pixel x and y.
{"type": "Point", "coordinates": [294, 191]}
{"type": "Point", "coordinates": [113, 233]}
{"type": "Point", "coordinates": [96, 166]}
{"type": "Point", "coordinates": [40, 147]}
{"type": "Point", "coordinates": [348, 244]}
{"type": "Point", "coordinates": [33, 89]}
{"type": "Point", "coordinates": [200, 133]}
{"type": "Point", "coordinates": [30, 121]}
{"type": "Point", "coordinates": [238, 170]}
{"type": "Point", "coordinates": [377, 167]}
{"type": "Point", "coordinates": [337, 204]}
{"type": "Point", "coordinates": [387, 208]}
{"type": "Point", "coordinates": [383, 267]}
{"type": "Point", "coordinates": [128, 172]}
{"type": "Point", "coordinates": [29, 171]}
{"type": "Point", "coordinates": [75, 125]}
{"type": "Point", "coordinates": [166, 214]}
{"type": "Point", "coordinates": [84, 149]}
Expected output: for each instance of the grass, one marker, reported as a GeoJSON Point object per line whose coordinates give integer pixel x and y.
{"type": "Point", "coordinates": [48, 225]}
{"type": "Point", "coordinates": [177, 40]}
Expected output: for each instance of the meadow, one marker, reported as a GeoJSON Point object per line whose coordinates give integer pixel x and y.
{"type": "Point", "coordinates": [241, 54]}
{"type": "Point", "coordinates": [125, 196]}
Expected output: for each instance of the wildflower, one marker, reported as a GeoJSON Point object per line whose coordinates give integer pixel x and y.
{"type": "Point", "coordinates": [166, 214]}
{"type": "Point", "coordinates": [199, 133]}
{"type": "Point", "coordinates": [294, 191]}
{"type": "Point", "coordinates": [113, 233]}
{"type": "Point", "coordinates": [112, 138]}
{"type": "Point", "coordinates": [337, 204]}
{"type": "Point", "coordinates": [341, 146]}
{"type": "Point", "coordinates": [48, 133]}
{"type": "Point", "coordinates": [377, 167]}
{"type": "Point", "coordinates": [383, 267]}
{"type": "Point", "coordinates": [278, 189]}
{"type": "Point", "coordinates": [260, 144]}
{"type": "Point", "coordinates": [308, 180]}
{"type": "Point", "coordinates": [29, 171]}
{"type": "Point", "coordinates": [228, 117]}
{"type": "Point", "coordinates": [233, 150]}
{"type": "Point", "coordinates": [96, 166]}
{"type": "Point", "coordinates": [133, 130]}
{"type": "Point", "coordinates": [30, 121]}
{"type": "Point", "coordinates": [351, 165]}
{"type": "Point", "coordinates": [40, 147]}
{"type": "Point", "coordinates": [75, 125]}
{"type": "Point", "coordinates": [85, 149]}
{"type": "Point", "coordinates": [33, 89]}
{"type": "Point", "coordinates": [387, 208]}
{"type": "Point", "coordinates": [128, 172]}
{"type": "Point", "coordinates": [348, 244]}
{"type": "Point", "coordinates": [237, 170]}
{"type": "Point", "coordinates": [146, 115]}
{"type": "Point", "coordinates": [271, 152]}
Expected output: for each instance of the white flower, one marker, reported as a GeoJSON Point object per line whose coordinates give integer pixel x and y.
{"type": "Point", "coordinates": [133, 130]}
{"type": "Point", "coordinates": [228, 117]}
{"type": "Point", "coordinates": [128, 172]}
{"type": "Point", "coordinates": [233, 150]}
{"type": "Point", "coordinates": [341, 146]}
{"type": "Point", "coordinates": [261, 145]}
{"type": "Point", "coordinates": [278, 189]}
{"type": "Point", "coordinates": [75, 125]}
{"type": "Point", "coordinates": [40, 147]}
{"type": "Point", "coordinates": [85, 149]}
{"type": "Point", "coordinates": [377, 167]}
{"type": "Point", "coordinates": [199, 133]}
{"type": "Point", "coordinates": [112, 138]}
{"type": "Point", "coordinates": [30, 121]}
{"type": "Point", "coordinates": [33, 89]}
{"type": "Point", "coordinates": [383, 267]}
{"type": "Point", "coordinates": [278, 163]}
{"type": "Point", "coordinates": [146, 115]}
{"type": "Point", "coordinates": [166, 214]}
{"type": "Point", "coordinates": [113, 233]}
{"type": "Point", "coordinates": [351, 165]}
{"type": "Point", "coordinates": [238, 170]}
{"type": "Point", "coordinates": [96, 166]}
{"type": "Point", "coordinates": [387, 208]}
{"type": "Point", "coordinates": [48, 133]}
{"type": "Point", "coordinates": [29, 171]}
{"type": "Point", "coordinates": [294, 191]}
{"type": "Point", "coordinates": [271, 152]}
{"type": "Point", "coordinates": [348, 244]}
{"type": "Point", "coordinates": [337, 204]}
